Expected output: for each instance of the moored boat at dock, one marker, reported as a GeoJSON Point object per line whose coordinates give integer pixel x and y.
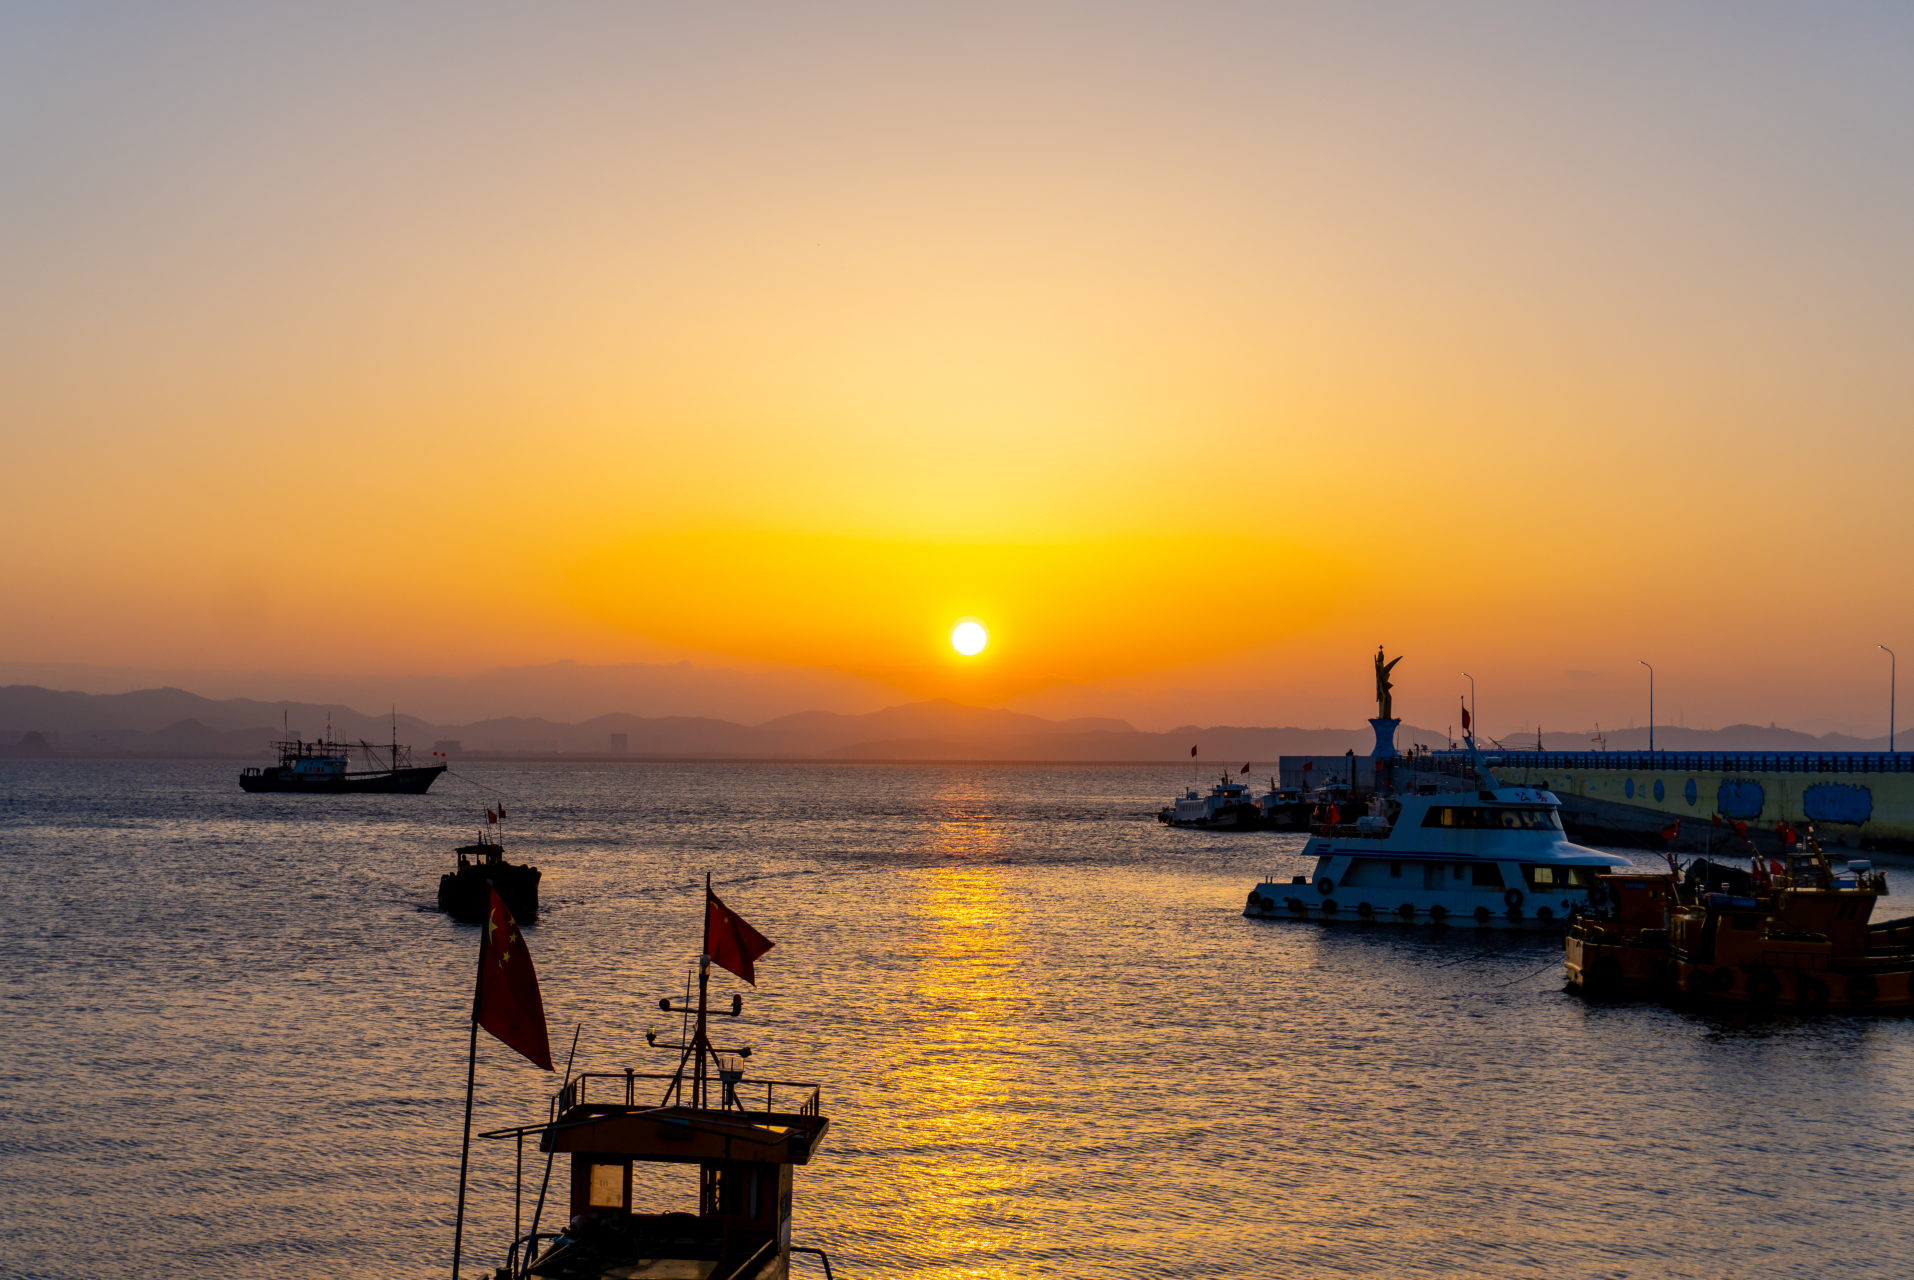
{"type": "Point", "coordinates": [1493, 858]}
{"type": "Point", "coordinates": [1800, 937]}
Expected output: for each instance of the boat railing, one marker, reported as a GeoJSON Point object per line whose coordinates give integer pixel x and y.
{"type": "Point", "coordinates": [621, 1088]}
{"type": "Point", "coordinates": [1720, 762]}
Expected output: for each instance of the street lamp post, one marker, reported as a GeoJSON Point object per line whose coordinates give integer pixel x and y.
{"type": "Point", "coordinates": [1651, 702]}
{"type": "Point", "coordinates": [1892, 662]}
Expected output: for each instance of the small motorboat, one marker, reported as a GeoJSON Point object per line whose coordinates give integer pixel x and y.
{"type": "Point", "coordinates": [462, 892]}
{"type": "Point", "coordinates": [1229, 806]}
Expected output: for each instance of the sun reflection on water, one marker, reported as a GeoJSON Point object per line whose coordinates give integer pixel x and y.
{"type": "Point", "coordinates": [958, 1130]}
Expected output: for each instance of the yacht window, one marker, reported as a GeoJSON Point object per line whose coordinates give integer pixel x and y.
{"type": "Point", "coordinates": [1545, 875]}
{"type": "Point", "coordinates": [1580, 877]}
{"type": "Point", "coordinates": [1477, 818]}
{"type": "Point", "coordinates": [1487, 875]}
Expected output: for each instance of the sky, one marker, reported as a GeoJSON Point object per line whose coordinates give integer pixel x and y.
{"type": "Point", "coordinates": [1195, 349]}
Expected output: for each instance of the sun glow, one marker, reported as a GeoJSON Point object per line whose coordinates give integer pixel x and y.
{"type": "Point", "coordinates": [969, 637]}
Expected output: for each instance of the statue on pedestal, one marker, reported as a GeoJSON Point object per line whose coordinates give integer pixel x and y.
{"type": "Point", "coordinates": [1384, 703]}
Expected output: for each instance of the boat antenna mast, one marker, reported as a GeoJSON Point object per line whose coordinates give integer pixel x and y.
{"type": "Point", "coordinates": [694, 1052]}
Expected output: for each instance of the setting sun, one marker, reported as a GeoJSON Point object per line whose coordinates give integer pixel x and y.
{"type": "Point", "coordinates": [968, 637]}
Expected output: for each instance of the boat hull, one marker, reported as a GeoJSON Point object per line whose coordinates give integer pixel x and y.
{"type": "Point", "coordinates": [1303, 903]}
{"type": "Point", "coordinates": [390, 782]}
{"type": "Point", "coordinates": [463, 896]}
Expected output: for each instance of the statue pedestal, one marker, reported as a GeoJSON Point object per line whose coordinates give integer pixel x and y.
{"type": "Point", "coordinates": [1385, 739]}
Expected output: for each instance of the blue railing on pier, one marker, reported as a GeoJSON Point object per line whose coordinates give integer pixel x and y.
{"type": "Point", "coordinates": [1457, 762]}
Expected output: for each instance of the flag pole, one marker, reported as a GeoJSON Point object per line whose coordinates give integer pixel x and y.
{"type": "Point", "coordinates": [465, 1150]}
{"type": "Point", "coordinates": [471, 1073]}
{"type": "Point", "coordinates": [704, 981]}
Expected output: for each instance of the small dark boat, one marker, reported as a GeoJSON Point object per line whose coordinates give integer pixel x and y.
{"type": "Point", "coordinates": [323, 767]}
{"type": "Point", "coordinates": [462, 893]}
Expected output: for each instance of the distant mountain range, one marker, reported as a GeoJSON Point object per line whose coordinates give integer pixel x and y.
{"type": "Point", "coordinates": [175, 723]}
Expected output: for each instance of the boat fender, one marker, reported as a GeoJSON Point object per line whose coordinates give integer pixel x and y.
{"type": "Point", "coordinates": [1597, 896]}
{"type": "Point", "coordinates": [1724, 979]}
{"type": "Point", "coordinates": [1514, 913]}
{"type": "Point", "coordinates": [1364, 910]}
{"type": "Point", "coordinates": [1255, 898]}
{"type": "Point", "coordinates": [1763, 986]}
{"type": "Point", "coordinates": [1296, 904]}
{"type": "Point", "coordinates": [1481, 915]}
{"type": "Point", "coordinates": [1861, 989]}
{"type": "Point", "coordinates": [1698, 981]}
{"type": "Point", "coordinates": [1810, 991]}
{"type": "Point", "coordinates": [1513, 897]}
{"type": "Point", "coordinates": [1545, 913]}
{"type": "Point", "coordinates": [1329, 906]}
{"type": "Point", "coordinates": [1438, 911]}
{"type": "Point", "coordinates": [1407, 911]}
{"type": "Point", "coordinates": [1325, 886]}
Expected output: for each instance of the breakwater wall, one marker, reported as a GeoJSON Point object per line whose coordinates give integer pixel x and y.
{"type": "Point", "coordinates": [1854, 799]}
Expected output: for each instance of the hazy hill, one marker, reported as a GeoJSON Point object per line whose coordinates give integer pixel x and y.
{"type": "Point", "coordinates": [172, 722]}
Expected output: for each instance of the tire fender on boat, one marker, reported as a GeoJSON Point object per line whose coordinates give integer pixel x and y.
{"type": "Point", "coordinates": [1329, 906]}
{"type": "Point", "coordinates": [1862, 989]}
{"type": "Point", "coordinates": [1481, 915]}
{"type": "Point", "coordinates": [1407, 911]}
{"type": "Point", "coordinates": [1763, 986]}
{"type": "Point", "coordinates": [1723, 979]}
{"type": "Point", "coordinates": [1364, 910]}
{"type": "Point", "coordinates": [1810, 991]}
{"type": "Point", "coordinates": [1325, 886]}
{"type": "Point", "coordinates": [1513, 897]}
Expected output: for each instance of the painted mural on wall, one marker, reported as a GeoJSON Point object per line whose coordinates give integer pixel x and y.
{"type": "Point", "coordinates": [1837, 802]}
{"type": "Point", "coordinates": [1740, 798]}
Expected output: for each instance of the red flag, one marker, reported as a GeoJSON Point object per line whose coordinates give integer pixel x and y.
{"type": "Point", "coordinates": [729, 941]}
{"type": "Point", "coordinates": [490, 816]}
{"type": "Point", "coordinates": [1335, 815]}
{"type": "Point", "coordinates": [501, 813]}
{"type": "Point", "coordinates": [1672, 831]}
{"type": "Point", "coordinates": [1192, 750]}
{"type": "Point", "coordinates": [1308, 765]}
{"type": "Point", "coordinates": [1244, 769]}
{"type": "Point", "coordinates": [1714, 819]}
{"type": "Point", "coordinates": [506, 1001]}
{"type": "Point", "coordinates": [1741, 829]}
{"type": "Point", "coordinates": [1465, 717]}
{"type": "Point", "coordinates": [1775, 867]}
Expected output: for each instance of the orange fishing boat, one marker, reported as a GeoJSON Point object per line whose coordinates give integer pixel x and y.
{"type": "Point", "coordinates": [1798, 934]}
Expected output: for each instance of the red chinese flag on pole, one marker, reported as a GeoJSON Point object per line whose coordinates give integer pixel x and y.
{"type": "Point", "coordinates": [506, 1001]}
{"type": "Point", "coordinates": [1672, 831]}
{"type": "Point", "coordinates": [490, 816]}
{"type": "Point", "coordinates": [1244, 769]}
{"type": "Point", "coordinates": [501, 813]}
{"type": "Point", "coordinates": [1192, 750]}
{"type": "Point", "coordinates": [728, 940]}
{"type": "Point", "coordinates": [1465, 717]}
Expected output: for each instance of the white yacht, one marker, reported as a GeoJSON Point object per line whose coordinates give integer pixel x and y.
{"type": "Point", "coordinates": [1493, 858]}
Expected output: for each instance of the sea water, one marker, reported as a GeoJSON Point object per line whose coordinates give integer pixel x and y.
{"type": "Point", "coordinates": [235, 1029]}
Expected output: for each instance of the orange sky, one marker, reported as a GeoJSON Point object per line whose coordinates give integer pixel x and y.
{"type": "Point", "coordinates": [1189, 347]}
